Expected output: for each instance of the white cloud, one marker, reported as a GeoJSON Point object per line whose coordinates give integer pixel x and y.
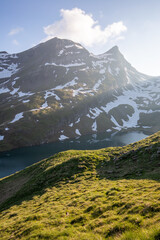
{"type": "Point", "coordinates": [80, 27]}
{"type": "Point", "coordinates": [15, 42]}
{"type": "Point", "coordinates": [15, 31]}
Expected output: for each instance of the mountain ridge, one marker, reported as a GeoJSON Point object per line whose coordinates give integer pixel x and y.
{"type": "Point", "coordinates": [58, 90]}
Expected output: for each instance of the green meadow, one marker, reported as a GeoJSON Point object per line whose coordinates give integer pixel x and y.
{"type": "Point", "coordinates": [111, 193]}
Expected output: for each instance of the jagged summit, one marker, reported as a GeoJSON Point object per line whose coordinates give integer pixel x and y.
{"type": "Point", "coordinates": [57, 51]}
{"type": "Point", "coordinates": [61, 41]}
{"type": "Point", "coordinates": [114, 49]}
{"type": "Point", "coordinates": [53, 45]}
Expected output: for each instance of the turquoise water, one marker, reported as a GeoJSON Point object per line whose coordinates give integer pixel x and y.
{"type": "Point", "coordinates": [18, 159]}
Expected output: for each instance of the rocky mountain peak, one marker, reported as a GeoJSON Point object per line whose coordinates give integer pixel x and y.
{"type": "Point", "coordinates": [115, 51]}
{"type": "Point", "coordinates": [71, 92]}
{"type": "Point", "coordinates": [58, 44]}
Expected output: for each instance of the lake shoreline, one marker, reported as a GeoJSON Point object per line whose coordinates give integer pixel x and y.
{"type": "Point", "coordinates": [20, 158]}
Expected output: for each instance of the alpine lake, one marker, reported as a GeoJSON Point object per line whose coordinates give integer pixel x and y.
{"type": "Point", "coordinates": [18, 159]}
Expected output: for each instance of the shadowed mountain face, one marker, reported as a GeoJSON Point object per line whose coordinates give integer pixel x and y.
{"type": "Point", "coordinates": [59, 90]}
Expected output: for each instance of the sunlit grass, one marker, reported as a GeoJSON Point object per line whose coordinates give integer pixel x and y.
{"type": "Point", "coordinates": [111, 193]}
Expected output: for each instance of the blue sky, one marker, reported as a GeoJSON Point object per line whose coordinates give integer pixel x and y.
{"type": "Point", "coordinates": [99, 25]}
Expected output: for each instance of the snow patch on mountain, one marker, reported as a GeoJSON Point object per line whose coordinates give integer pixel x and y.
{"type": "Point", "coordinates": [109, 130]}
{"type": "Point", "coordinates": [76, 91]}
{"type": "Point", "coordinates": [69, 84]}
{"type": "Point", "coordinates": [60, 105]}
{"type": "Point", "coordinates": [95, 112]}
{"type": "Point", "coordinates": [26, 101]}
{"type": "Point", "coordinates": [69, 46]}
{"type": "Point", "coordinates": [74, 45]}
{"type": "Point", "coordinates": [17, 117]}
{"type": "Point", "coordinates": [15, 90]}
{"type": "Point", "coordinates": [97, 85]}
{"type": "Point", "coordinates": [114, 121]}
{"type": "Point", "coordinates": [63, 137]}
{"type": "Point", "coordinates": [50, 93]}
{"type": "Point", "coordinates": [4, 55]}
{"type": "Point", "coordinates": [77, 121]}
{"type": "Point", "coordinates": [4, 90]}
{"type": "Point", "coordinates": [5, 73]}
{"type": "Point", "coordinates": [109, 70]}
{"type": "Point", "coordinates": [15, 79]}
{"type": "Point", "coordinates": [22, 94]}
{"type": "Point", "coordinates": [9, 71]}
{"type": "Point", "coordinates": [127, 75]}
{"type": "Point", "coordinates": [1, 137]}
{"type": "Point", "coordinates": [148, 92]}
{"type": "Point", "coordinates": [99, 63]}
{"type": "Point", "coordinates": [102, 70]}
{"type": "Point", "coordinates": [126, 98]}
{"type": "Point", "coordinates": [66, 65]}
{"type": "Point", "coordinates": [78, 46]}
{"type": "Point", "coordinates": [77, 132]}
{"type": "Point", "coordinates": [112, 59]}
{"type": "Point", "coordinates": [61, 52]}
{"type": "Point", "coordinates": [44, 105]}
{"type": "Point", "coordinates": [94, 126]}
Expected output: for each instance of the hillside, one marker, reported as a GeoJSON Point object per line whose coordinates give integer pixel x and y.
{"type": "Point", "coordinates": [59, 90]}
{"type": "Point", "coordinates": [111, 193]}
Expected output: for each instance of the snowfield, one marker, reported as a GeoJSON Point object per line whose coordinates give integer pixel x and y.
{"type": "Point", "coordinates": [17, 117]}
{"type": "Point", "coordinates": [1, 137]}
{"type": "Point", "coordinates": [63, 137]}
{"type": "Point", "coordinates": [9, 71]}
{"type": "Point", "coordinates": [75, 86]}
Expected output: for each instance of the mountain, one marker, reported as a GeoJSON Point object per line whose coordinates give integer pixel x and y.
{"type": "Point", "coordinates": [112, 193]}
{"type": "Point", "coordinates": [59, 90]}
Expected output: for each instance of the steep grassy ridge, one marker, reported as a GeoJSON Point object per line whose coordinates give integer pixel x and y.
{"type": "Point", "coordinates": [112, 193]}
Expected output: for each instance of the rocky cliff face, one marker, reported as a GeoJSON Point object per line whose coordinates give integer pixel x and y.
{"type": "Point", "coordinates": [59, 90]}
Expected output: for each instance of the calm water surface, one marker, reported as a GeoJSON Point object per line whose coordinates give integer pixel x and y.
{"type": "Point", "coordinates": [18, 159]}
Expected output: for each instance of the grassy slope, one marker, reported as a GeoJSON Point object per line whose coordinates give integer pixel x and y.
{"type": "Point", "coordinates": [112, 193]}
